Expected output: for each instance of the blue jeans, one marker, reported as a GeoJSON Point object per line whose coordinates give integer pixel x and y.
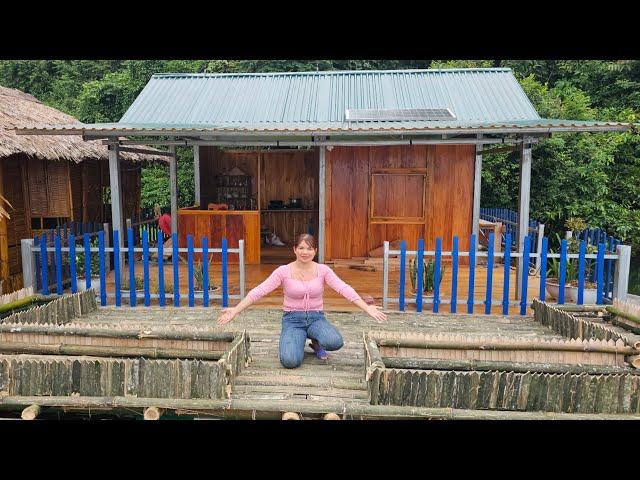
{"type": "Point", "coordinates": [297, 327]}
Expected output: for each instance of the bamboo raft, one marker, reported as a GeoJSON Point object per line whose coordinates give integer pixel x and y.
{"type": "Point", "coordinates": [338, 387]}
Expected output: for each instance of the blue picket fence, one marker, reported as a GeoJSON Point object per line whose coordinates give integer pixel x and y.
{"type": "Point", "coordinates": [63, 232]}
{"type": "Point", "coordinates": [509, 219]}
{"type": "Point", "coordinates": [603, 264]}
{"type": "Point", "coordinates": [81, 244]}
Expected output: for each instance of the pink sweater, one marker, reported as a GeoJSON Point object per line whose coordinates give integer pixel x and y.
{"type": "Point", "coordinates": [303, 295]}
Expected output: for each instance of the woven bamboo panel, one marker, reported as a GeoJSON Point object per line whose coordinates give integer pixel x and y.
{"type": "Point", "coordinates": [38, 197]}
{"type": "Point", "coordinates": [58, 189]}
{"type": "Point", "coordinates": [497, 390]}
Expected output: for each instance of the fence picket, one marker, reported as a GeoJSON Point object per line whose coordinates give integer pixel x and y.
{"type": "Point", "coordinates": [563, 269]}
{"type": "Point", "coordinates": [145, 268]}
{"type": "Point", "coordinates": [543, 267]}
{"type": "Point", "coordinates": [72, 263]}
{"type": "Point", "coordinates": [453, 307]}
{"type": "Point", "coordinates": [190, 269]}
{"type": "Point", "coordinates": [419, 273]}
{"type": "Point", "coordinates": [116, 269]}
{"type": "Point", "coordinates": [507, 271]}
{"type": "Point", "coordinates": [103, 282]}
{"type": "Point", "coordinates": [403, 267]}
{"type": "Point", "coordinates": [487, 302]}
{"type": "Point", "coordinates": [176, 273]}
{"type": "Point", "coordinates": [58, 263]}
{"type": "Point", "coordinates": [132, 272]}
{"type": "Point", "coordinates": [525, 276]}
{"type": "Point", "coordinates": [436, 276]}
{"type": "Point", "coordinates": [472, 272]}
{"type": "Point", "coordinates": [87, 261]}
{"type": "Point", "coordinates": [205, 271]}
{"type": "Point", "coordinates": [581, 266]}
{"type": "Point", "coordinates": [225, 291]}
{"type": "Point", "coordinates": [161, 272]}
{"type": "Point", "coordinates": [600, 275]}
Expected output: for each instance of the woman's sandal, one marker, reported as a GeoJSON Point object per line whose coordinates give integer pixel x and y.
{"type": "Point", "coordinates": [320, 352]}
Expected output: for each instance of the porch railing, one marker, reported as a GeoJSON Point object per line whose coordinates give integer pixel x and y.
{"type": "Point", "coordinates": [38, 268]}
{"type": "Point", "coordinates": [612, 274]}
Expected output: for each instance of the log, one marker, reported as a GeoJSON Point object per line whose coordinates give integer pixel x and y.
{"type": "Point", "coordinates": [331, 416]}
{"type": "Point", "coordinates": [31, 412]}
{"type": "Point", "coordinates": [627, 325]}
{"type": "Point", "coordinates": [485, 365]}
{"type": "Point", "coordinates": [510, 345]}
{"type": "Point", "coordinates": [619, 313]}
{"type": "Point", "coordinates": [230, 407]}
{"type": "Point", "coordinates": [103, 351]}
{"type": "Point", "coordinates": [153, 413]}
{"type": "Point", "coordinates": [17, 304]}
{"type": "Point", "coordinates": [634, 360]}
{"type": "Point", "coordinates": [290, 416]}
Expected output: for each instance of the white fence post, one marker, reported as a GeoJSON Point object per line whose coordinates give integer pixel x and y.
{"type": "Point", "coordinates": [539, 249]}
{"type": "Point", "coordinates": [28, 264]}
{"type": "Point", "coordinates": [621, 277]}
{"type": "Point", "coordinates": [241, 266]}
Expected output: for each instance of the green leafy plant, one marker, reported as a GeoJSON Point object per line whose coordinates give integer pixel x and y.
{"type": "Point", "coordinates": [572, 264]}
{"type": "Point", "coordinates": [428, 275]}
{"type": "Point", "coordinates": [94, 264]}
{"type": "Point", "coordinates": [138, 282]}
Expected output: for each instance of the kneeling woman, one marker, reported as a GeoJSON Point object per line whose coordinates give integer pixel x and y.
{"type": "Point", "coordinates": [303, 283]}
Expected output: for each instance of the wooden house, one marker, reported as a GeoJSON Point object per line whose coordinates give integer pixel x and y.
{"type": "Point", "coordinates": [360, 156]}
{"type": "Point", "coordinates": [51, 180]}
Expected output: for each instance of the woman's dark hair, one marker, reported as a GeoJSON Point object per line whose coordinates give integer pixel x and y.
{"type": "Point", "coordinates": [308, 239]}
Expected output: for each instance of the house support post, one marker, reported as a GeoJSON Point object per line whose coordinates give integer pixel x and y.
{"type": "Point", "coordinates": [28, 264]}
{"type": "Point", "coordinates": [196, 172]}
{"type": "Point", "coordinates": [621, 276]}
{"type": "Point", "coordinates": [173, 186]}
{"type": "Point", "coordinates": [523, 210]}
{"type": "Point", "coordinates": [115, 180]}
{"type": "Point", "coordinates": [321, 196]}
{"type": "Point", "coordinates": [477, 184]}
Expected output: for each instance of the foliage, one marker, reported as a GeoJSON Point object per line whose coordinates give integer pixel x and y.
{"type": "Point", "coordinates": [94, 262]}
{"type": "Point", "coordinates": [428, 275]}
{"type": "Point", "coordinates": [592, 176]}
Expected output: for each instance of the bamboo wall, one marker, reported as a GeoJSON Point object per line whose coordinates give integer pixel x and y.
{"type": "Point", "coordinates": [58, 189]}
{"type": "Point", "coordinates": [447, 202]}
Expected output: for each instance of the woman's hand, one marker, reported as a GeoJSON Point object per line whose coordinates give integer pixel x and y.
{"type": "Point", "coordinates": [227, 315]}
{"type": "Point", "coordinates": [374, 312]}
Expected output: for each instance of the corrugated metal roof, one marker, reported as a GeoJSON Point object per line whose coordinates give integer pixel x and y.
{"type": "Point", "coordinates": [541, 125]}
{"type": "Point", "coordinates": [318, 100]}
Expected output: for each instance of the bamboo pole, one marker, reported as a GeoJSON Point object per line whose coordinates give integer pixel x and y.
{"type": "Point", "coordinates": [290, 416]}
{"type": "Point", "coordinates": [482, 365]}
{"type": "Point", "coordinates": [510, 345]}
{"type": "Point", "coordinates": [17, 303]}
{"type": "Point", "coordinates": [230, 407]}
{"type": "Point", "coordinates": [116, 332]}
{"type": "Point", "coordinates": [331, 416]}
{"type": "Point", "coordinates": [619, 313]}
{"type": "Point", "coordinates": [634, 360]}
{"type": "Point", "coordinates": [103, 351]}
{"type": "Point", "coordinates": [153, 413]}
{"type": "Point", "coordinates": [31, 412]}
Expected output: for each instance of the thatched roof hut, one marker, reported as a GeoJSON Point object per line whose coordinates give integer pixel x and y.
{"type": "Point", "coordinates": [51, 181]}
{"type": "Point", "coordinates": [18, 108]}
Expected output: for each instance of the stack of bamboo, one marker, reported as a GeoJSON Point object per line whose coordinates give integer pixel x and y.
{"type": "Point", "coordinates": [62, 310]}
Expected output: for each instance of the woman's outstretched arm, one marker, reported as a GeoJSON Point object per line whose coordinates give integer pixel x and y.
{"type": "Point", "coordinates": [266, 287]}
{"type": "Point", "coordinates": [350, 294]}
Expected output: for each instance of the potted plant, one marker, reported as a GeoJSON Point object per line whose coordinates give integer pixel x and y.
{"type": "Point", "coordinates": [428, 277]}
{"type": "Point", "coordinates": [552, 284]}
{"type": "Point", "coordinates": [198, 276]}
{"type": "Point", "coordinates": [94, 270]}
{"type": "Point", "coordinates": [125, 289]}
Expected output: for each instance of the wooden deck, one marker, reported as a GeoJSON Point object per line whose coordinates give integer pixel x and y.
{"type": "Point", "coordinates": [364, 282]}
{"type": "Point", "coordinates": [265, 389]}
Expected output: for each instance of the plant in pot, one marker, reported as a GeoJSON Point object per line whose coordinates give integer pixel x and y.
{"type": "Point", "coordinates": [125, 289]}
{"type": "Point", "coordinates": [94, 270]}
{"type": "Point", "coordinates": [428, 277]}
{"type": "Point", "coordinates": [198, 276]}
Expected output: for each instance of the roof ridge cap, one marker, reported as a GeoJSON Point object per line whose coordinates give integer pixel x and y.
{"type": "Point", "coordinates": [331, 72]}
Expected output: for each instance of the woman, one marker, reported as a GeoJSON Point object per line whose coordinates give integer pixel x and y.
{"type": "Point", "coordinates": [303, 282]}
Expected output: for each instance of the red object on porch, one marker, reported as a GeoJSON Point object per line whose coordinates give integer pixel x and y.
{"type": "Point", "coordinates": [164, 222]}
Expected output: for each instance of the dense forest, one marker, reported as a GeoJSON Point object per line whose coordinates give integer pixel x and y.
{"type": "Point", "coordinates": [592, 176]}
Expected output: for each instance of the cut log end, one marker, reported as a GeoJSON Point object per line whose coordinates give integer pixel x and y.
{"type": "Point", "coordinates": [152, 413]}
{"type": "Point", "coordinates": [634, 360]}
{"type": "Point", "coordinates": [332, 416]}
{"type": "Point", "coordinates": [31, 412]}
{"type": "Point", "coordinates": [290, 416]}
